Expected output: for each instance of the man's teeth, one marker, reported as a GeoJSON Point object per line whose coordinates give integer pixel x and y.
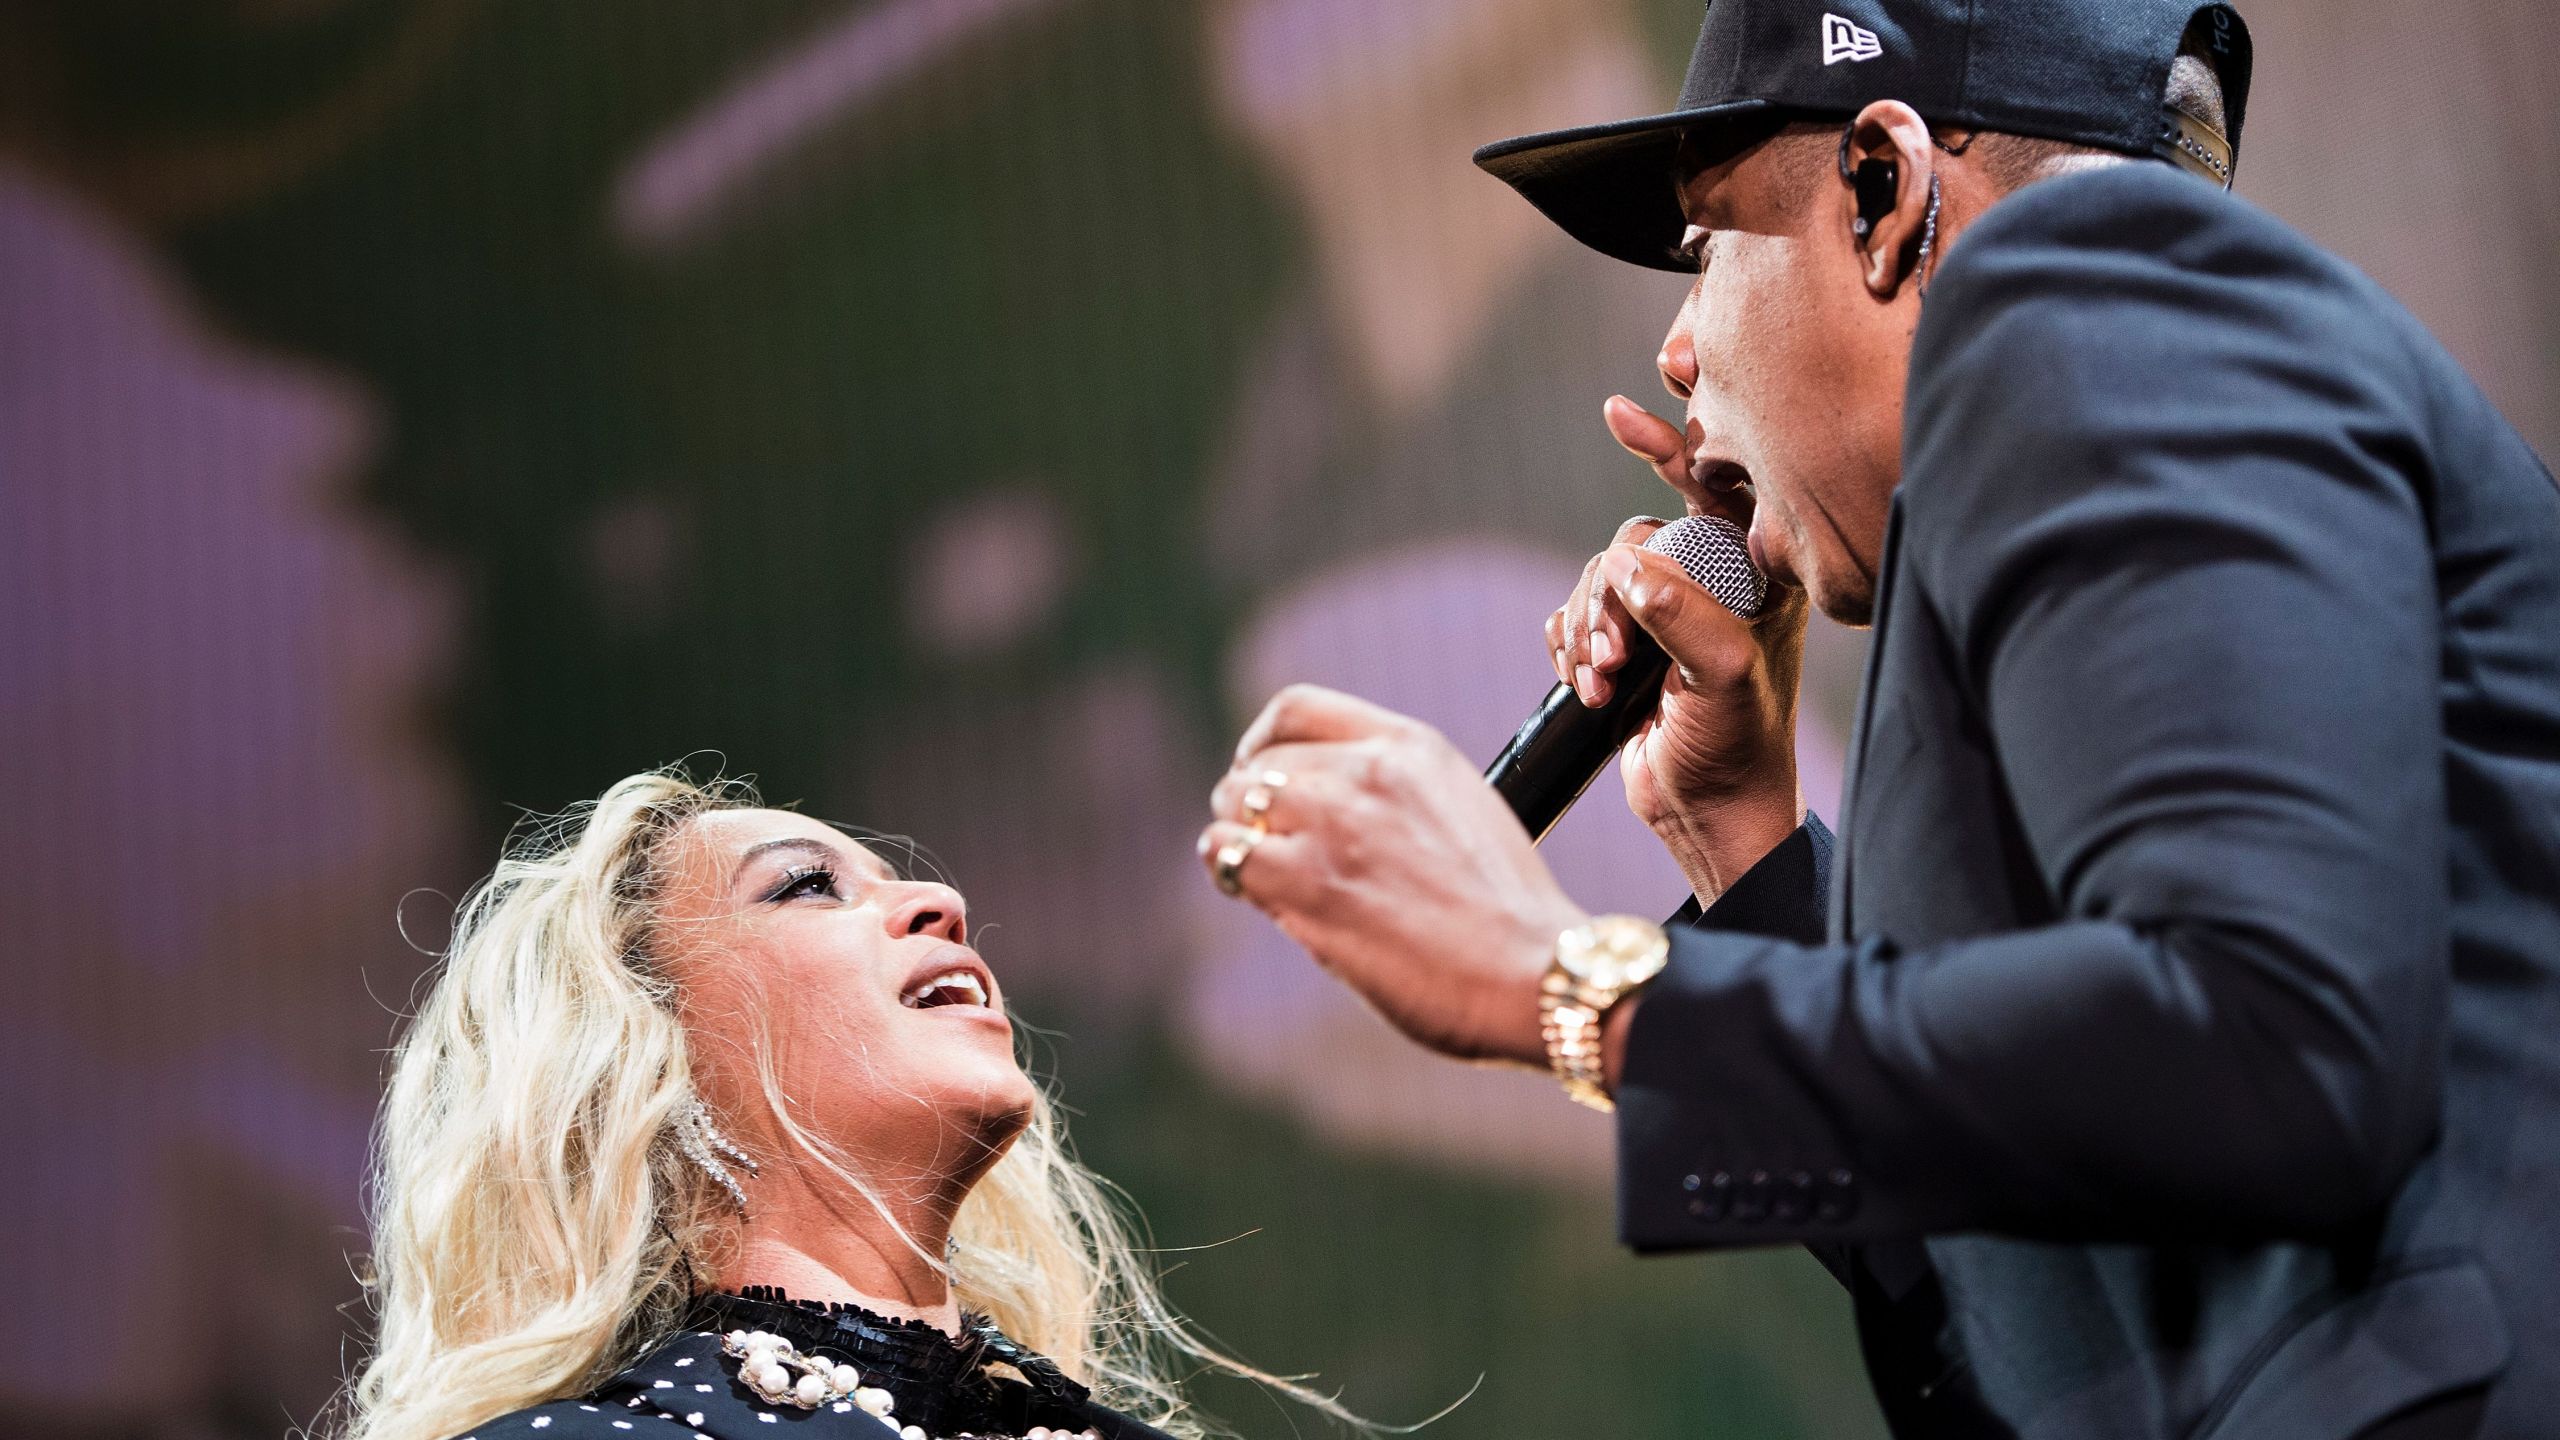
{"type": "Point", "coordinates": [957, 988]}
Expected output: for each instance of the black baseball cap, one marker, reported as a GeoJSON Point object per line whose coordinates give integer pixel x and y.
{"type": "Point", "coordinates": [2090, 72]}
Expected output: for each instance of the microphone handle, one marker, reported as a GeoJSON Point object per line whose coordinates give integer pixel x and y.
{"type": "Point", "coordinates": [1566, 744]}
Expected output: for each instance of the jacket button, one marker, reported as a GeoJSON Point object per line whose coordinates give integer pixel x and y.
{"type": "Point", "coordinates": [1835, 1197]}
{"type": "Point", "coordinates": [1794, 1196]}
{"type": "Point", "coordinates": [1714, 1199]}
{"type": "Point", "coordinates": [1751, 1198]}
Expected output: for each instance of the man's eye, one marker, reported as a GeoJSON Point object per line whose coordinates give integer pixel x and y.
{"type": "Point", "coordinates": [806, 880]}
{"type": "Point", "coordinates": [1693, 246]}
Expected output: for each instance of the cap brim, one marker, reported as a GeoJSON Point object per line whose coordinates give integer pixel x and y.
{"type": "Point", "coordinates": [1611, 186]}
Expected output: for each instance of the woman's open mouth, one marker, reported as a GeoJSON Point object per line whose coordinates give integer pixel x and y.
{"type": "Point", "coordinates": [959, 986]}
{"type": "Point", "coordinates": [950, 976]}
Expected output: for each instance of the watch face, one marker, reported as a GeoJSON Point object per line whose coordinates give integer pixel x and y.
{"type": "Point", "coordinates": [1613, 952]}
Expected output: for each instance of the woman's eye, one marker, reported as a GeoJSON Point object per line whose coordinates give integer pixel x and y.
{"type": "Point", "coordinates": [806, 880]}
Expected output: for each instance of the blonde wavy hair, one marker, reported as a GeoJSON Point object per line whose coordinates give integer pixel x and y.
{"type": "Point", "coordinates": [535, 1227]}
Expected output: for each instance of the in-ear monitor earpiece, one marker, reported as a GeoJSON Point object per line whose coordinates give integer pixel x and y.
{"type": "Point", "coordinates": [1877, 183]}
{"type": "Point", "coordinates": [1879, 186]}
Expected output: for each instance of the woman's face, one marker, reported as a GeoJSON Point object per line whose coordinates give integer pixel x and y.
{"type": "Point", "coordinates": [887, 1034]}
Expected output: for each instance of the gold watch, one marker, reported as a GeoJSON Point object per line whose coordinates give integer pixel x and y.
{"type": "Point", "coordinates": [1596, 965]}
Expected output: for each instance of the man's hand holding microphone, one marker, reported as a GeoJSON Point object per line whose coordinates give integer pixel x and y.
{"type": "Point", "coordinates": [1375, 844]}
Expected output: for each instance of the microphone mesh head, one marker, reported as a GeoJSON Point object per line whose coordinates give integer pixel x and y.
{"type": "Point", "coordinates": [1718, 556]}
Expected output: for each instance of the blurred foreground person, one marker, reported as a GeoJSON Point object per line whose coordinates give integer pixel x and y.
{"type": "Point", "coordinates": [712, 1123]}
{"type": "Point", "coordinates": [2180, 1053]}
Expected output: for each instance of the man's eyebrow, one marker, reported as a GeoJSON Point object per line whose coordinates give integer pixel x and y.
{"type": "Point", "coordinates": [1695, 209]}
{"type": "Point", "coordinates": [805, 845]}
{"type": "Point", "coordinates": [1704, 210]}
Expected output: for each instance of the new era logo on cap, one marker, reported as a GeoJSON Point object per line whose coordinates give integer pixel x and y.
{"type": "Point", "coordinates": [1843, 40]}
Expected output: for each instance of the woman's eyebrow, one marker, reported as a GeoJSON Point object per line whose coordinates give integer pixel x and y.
{"type": "Point", "coordinates": [875, 869]}
{"type": "Point", "coordinates": [802, 843]}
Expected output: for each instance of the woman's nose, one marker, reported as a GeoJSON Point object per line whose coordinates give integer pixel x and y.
{"type": "Point", "coordinates": [927, 908]}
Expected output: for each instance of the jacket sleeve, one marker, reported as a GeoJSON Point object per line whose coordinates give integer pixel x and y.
{"type": "Point", "coordinates": [1783, 896]}
{"type": "Point", "coordinates": [2170, 517]}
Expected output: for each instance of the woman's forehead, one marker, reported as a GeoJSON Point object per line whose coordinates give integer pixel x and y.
{"type": "Point", "coordinates": [729, 837]}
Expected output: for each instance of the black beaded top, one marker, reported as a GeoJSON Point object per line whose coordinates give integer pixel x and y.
{"type": "Point", "coordinates": [940, 1381]}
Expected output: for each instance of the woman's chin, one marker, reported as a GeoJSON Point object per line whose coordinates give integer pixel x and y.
{"type": "Point", "coordinates": [992, 1102]}
{"type": "Point", "coordinates": [989, 1125]}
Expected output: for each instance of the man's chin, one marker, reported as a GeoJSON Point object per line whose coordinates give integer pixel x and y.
{"type": "Point", "coordinates": [1852, 604]}
{"type": "Point", "coordinates": [1773, 554]}
{"type": "Point", "coordinates": [1850, 599]}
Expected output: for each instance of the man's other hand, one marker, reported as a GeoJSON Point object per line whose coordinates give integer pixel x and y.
{"type": "Point", "coordinates": [1713, 771]}
{"type": "Point", "coordinates": [1398, 868]}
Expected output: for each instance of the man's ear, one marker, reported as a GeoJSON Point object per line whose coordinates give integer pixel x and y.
{"type": "Point", "coordinates": [1886, 164]}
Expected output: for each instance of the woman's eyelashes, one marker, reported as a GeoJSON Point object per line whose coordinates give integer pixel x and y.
{"type": "Point", "coordinates": [802, 880]}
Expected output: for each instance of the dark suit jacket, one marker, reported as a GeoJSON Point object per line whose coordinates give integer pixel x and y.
{"type": "Point", "coordinates": [2181, 1055]}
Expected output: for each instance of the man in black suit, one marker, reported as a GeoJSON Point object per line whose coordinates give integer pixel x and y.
{"type": "Point", "coordinates": [2181, 1052]}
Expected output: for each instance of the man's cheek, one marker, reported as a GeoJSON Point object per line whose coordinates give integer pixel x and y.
{"type": "Point", "coordinates": [1743, 332]}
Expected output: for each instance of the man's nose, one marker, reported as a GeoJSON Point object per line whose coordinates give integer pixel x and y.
{"type": "Point", "coordinates": [1678, 361]}
{"type": "Point", "coordinates": [926, 908]}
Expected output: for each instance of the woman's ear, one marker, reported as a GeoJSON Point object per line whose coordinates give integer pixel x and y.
{"type": "Point", "coordinates": [1886, 167]}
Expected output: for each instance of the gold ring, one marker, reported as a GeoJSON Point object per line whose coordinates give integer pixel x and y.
{"type": "Point", "coordinates": [1258, 797]}
{"type": "Point", "coordinates": [1229, 866]}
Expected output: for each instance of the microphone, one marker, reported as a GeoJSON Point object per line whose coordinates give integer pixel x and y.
{"type": "Point", "coordinates": [1566, 744]}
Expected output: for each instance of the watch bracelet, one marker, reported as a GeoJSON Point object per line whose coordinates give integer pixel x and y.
{"type": "Point", "coordinates": [1573, 1020]}
{"type": "Point", "coordinates": [1573, 1030]}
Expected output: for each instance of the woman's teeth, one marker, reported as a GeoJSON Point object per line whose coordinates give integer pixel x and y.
{"type": "Point", "coordinates": [957, 988]}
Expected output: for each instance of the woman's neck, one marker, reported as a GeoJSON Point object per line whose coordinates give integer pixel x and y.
{"type": "Point", "coordinates": [837, 1247]}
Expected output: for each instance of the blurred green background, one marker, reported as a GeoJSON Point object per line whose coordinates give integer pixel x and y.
{"type": "Point", "coordinates": [959, 415]}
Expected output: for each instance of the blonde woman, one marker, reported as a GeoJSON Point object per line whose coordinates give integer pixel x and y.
{"type": "Point", "coordinates": [712, 1126]}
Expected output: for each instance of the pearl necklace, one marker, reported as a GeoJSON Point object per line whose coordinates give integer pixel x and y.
{"type": "Point", "coordinates": [780, 1375]}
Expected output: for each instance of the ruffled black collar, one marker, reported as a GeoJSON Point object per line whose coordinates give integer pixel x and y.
{"type": "Point", "coordinates": [939, 1381]}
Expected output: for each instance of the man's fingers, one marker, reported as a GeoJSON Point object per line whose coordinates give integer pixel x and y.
{"type": "Point", "coordinates": [1645, 435]}
{"type": "Point", "coordinates": [1652, 439]}
{"type": "Point", "coordinates": [1709, 643]}
{"type": "Point", "coordinates": [1603, 634]}
{"type": "Point", "coordinates": [1602, 646]}
{"type": "Point", "coordinates": [1587, 637]}
{"type": "Point", "coordinates": [1610, 629]}
{"type": "Point", "coordinates": [1608, 646]}
{"type": "Point", "coordinates": [1575, 620]}
{"type": "Point", "coordinates": [1306, 775]}
{"type": "Point", "coordinates": [1266, 868]}
{"type": "Point", "coordinates": [1312, 712]}
{"type": "Point", "coordinates": [1637, 529]}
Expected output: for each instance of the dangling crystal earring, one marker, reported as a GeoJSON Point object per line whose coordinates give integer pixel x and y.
{"type": "Point", "coordinates": [704, 1145]}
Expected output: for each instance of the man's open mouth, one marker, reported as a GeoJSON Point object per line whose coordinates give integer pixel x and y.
{"type": "Point", "coordinates": [1723, 477]}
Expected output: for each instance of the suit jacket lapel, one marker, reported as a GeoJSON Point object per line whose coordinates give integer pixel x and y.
{"type": "Point", "coordinates": [1846, 859]}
